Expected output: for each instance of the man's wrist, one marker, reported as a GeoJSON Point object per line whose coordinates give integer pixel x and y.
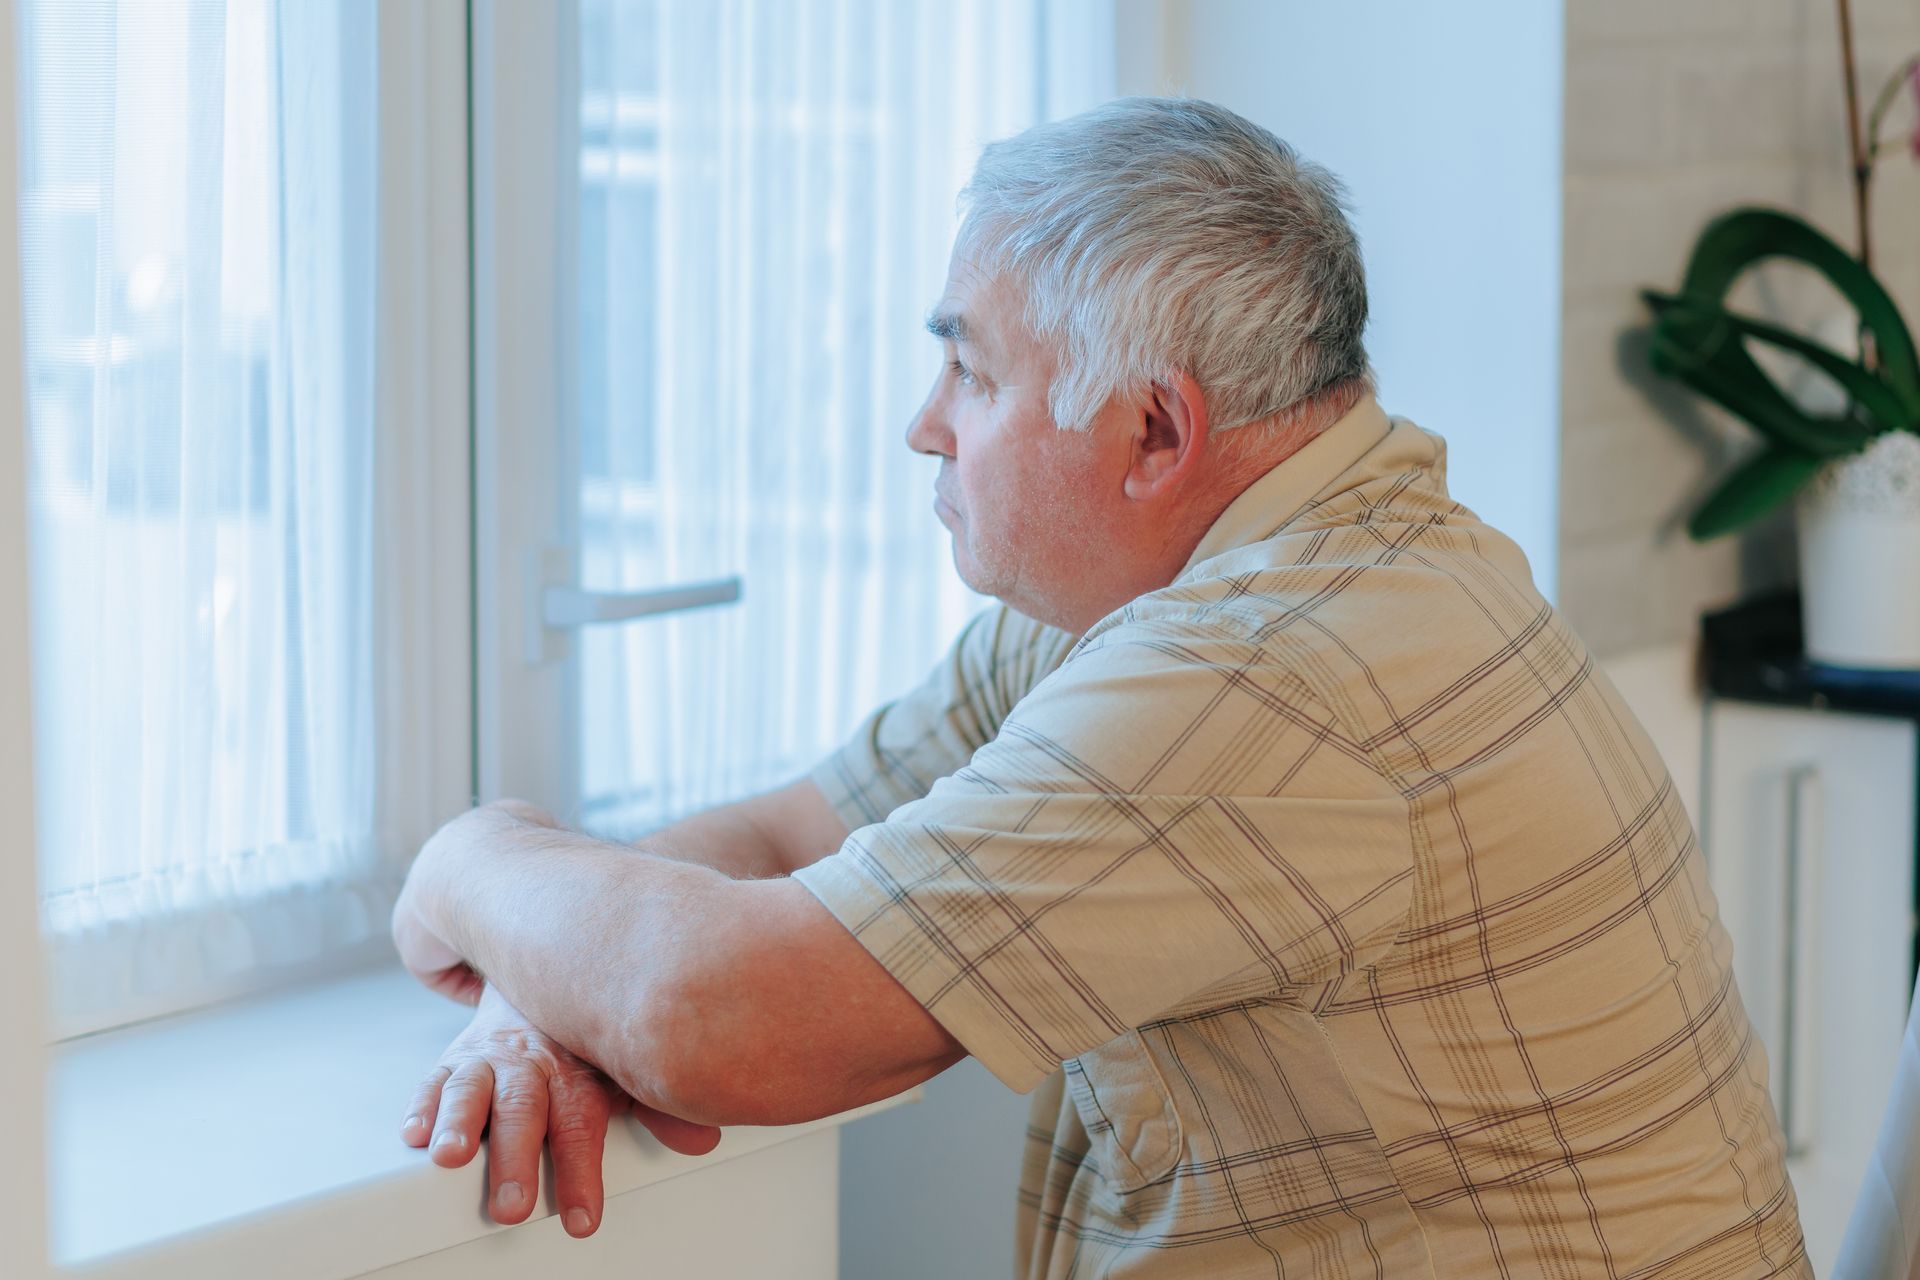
{"type": "Point", "coordinates": [462, 860]}
{"type": "Point", "coordinates": [447, 864]}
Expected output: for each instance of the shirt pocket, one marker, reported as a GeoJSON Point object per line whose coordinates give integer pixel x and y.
{"type": "Point", "coordinates": [1132, 1127]}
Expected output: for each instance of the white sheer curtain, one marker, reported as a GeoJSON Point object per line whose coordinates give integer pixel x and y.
{"type": "Point", "coordinates": [766, 204]}
{"type": "Point", "coordinates": [198, 237]}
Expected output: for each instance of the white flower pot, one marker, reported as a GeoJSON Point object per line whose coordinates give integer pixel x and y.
{"type": "Point", "coordinates": [1859, 524]}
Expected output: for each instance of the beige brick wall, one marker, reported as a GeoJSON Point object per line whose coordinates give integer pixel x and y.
{"type": "Point", "coordinates": [1676, 110]}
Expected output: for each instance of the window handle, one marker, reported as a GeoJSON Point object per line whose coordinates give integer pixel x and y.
{"type": "Point", "coordinates": [566, 607]}
{"type": "Point", "coordinates": [556, 608]}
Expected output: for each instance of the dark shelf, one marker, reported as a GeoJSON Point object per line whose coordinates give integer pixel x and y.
{"type": "Point", "coordinates": [1753, 652]}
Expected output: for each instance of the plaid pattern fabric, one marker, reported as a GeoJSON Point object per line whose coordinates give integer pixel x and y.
{"type": "Point", "coordinates": [1340, 915]}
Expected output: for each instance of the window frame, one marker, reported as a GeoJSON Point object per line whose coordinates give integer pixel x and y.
{"type": "Point", "coordinates": [23, 1215]}
{"type": "Point", "coordinates": [523, 73]}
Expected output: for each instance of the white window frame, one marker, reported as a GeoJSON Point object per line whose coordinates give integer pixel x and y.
{"type": "Point", "coordinates": [525, 438]}
{"type": "Point", "coordinates": [23, 1214]}
{"type": "Point", "coordinates": [425, 417]}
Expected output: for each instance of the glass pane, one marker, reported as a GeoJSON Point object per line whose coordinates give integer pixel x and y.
{"type": "Point", "coordinates": [197, 212]}
{"type": "Point", "coordinates": [766, 201]}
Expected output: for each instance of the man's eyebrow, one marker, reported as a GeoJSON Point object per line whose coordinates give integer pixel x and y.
{"type": "Point", "coordinates": [949, 326]}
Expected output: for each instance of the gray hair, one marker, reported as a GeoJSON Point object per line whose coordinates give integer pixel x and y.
{"type": "Point", "coordinates": [1155, 235]}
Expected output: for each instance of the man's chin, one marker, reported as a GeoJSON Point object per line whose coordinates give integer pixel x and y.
{"type": "Point", "coordinates": [969, 571]}
{"type": "Point", "coordinates": [964, 567]}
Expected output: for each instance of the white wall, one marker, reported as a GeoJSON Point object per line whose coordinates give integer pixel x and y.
{"type": "Point", "coordinates": [927, 1190]}
{"type": "Point", "coordinates": [1444, 123]}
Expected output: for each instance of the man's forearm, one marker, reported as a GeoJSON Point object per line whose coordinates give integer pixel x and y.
{"type": "Point", "coordinates": [772, 834]}
{"type": "Point", "coordinates": [726, 839]}
{"type": "Point", "coordinates": [716, 1000]}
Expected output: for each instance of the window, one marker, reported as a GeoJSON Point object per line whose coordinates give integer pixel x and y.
{"type": "Point", "coordinates": [196, 198]}
{"type": "Point", "coordinates": [704, 236]}
{"type": "Point", "coordinates": [766, 191]}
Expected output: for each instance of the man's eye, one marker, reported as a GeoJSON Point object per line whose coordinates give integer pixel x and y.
{"type": "Point", "coordinates": [960, 372]}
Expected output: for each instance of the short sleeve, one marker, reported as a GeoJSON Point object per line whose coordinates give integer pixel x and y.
{"type": "Point", "coordinates": [902, 749]}
{"type": "Point", "coordinates": [1165, 823]}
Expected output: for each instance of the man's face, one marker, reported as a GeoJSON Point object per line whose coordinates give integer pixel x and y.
{"type": "Point", "coordinates": [1028, 504]}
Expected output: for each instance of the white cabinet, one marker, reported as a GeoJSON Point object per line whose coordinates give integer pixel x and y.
{"type": "Point", "coordinates": [1809, 830]}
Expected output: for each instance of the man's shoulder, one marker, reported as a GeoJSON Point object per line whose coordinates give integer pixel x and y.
{"type": "Point", "coordinates": [1374, 598]}
{"type": "Point", "coordinates": [1355, 562]}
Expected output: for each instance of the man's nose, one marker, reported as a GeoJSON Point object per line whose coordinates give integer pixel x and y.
{"type": "Point", "coordinates": [929, 433]}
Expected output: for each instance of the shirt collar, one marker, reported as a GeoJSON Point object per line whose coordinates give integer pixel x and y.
{"type": "Point", "coordinates": [1272, 501]}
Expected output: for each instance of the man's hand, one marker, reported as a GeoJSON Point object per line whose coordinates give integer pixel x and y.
{"type": "Point", "coordinates": [427, 955]}
{"type": "Point", "coordinates": [504, 1070]}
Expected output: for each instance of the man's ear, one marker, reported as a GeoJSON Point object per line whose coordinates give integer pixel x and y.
{"type": "Point", "coordinates": [1170, 437]}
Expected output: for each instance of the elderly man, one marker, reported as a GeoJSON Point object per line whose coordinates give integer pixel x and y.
{"type": "Point", "coordinates": [1273, 831]}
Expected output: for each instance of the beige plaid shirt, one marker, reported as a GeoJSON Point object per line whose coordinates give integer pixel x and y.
{"type": "Point", "coordinates": [1344, 914]}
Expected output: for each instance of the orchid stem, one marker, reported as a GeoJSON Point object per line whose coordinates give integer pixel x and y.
{"type": "Point", "coordinates": [1862, 165]}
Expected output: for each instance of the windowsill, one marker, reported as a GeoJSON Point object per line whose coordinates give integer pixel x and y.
{"type": "Point", "coordinates": [262, 1138]}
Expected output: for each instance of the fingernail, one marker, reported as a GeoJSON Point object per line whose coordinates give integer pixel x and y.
{"type": "Point", "coordinates": [578, 1221]}
{"type": "Point", "coordinates": [414, 1122]}
{"type": "Point", "coordinates": [508, 1197]}
{"type": "Point", "coordinates": [450, 1138]}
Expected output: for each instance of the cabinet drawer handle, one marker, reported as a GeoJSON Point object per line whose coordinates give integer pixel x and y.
{"type": "Point", "coordinates": [1803, 795]}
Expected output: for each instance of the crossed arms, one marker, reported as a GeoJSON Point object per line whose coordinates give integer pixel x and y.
{"type": "Point", "coordinates": [704, 986]}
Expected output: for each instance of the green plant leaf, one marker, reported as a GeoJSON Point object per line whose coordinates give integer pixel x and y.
{"type": "Point", "coordinates": [1700, 344]}
{"type": "Point", "coordinates": [1735, 242]}
{"type": "Point", "coordinates": [1756, 487]}
{"type": "Point", "coordinates": [1874, 396]}
{"type": "Point", "coordinates": [1879, 400]}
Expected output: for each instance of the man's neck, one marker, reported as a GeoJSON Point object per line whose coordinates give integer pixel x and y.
{"type": "Point", "coordinates": [1243, 456]}
{"type": "Point", "coordinates": [1156, 555]}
